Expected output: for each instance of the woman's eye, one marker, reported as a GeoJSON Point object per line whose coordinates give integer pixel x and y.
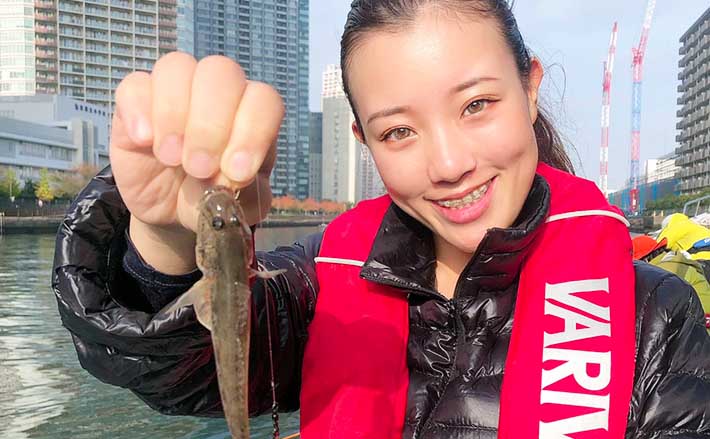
{"type": "Point", "coordinates": [397, 134]}
{"type": "Point", "coordinates": [476, 106]}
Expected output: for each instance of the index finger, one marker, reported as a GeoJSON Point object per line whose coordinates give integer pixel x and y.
{"type": "Point", "coordinates": [132, 125]}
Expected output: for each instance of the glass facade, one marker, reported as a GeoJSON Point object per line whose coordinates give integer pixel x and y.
{"type": "Point", "coordinates": [17, 47]}
{"type": "Point", "coordinates": [269, 39]}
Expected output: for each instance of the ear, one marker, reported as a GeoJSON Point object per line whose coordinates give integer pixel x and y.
{"type": "Point", "coordinates": [534, 80]}
{"type": "Point", "coordinates": [358, 134]}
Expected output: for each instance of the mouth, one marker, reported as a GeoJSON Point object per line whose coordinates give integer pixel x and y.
{"type": "Point", "coordinates": [468, 206]}
{"type": "Point", "coordinates": [468, 199]}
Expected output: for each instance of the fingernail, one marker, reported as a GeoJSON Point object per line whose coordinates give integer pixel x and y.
{"type": "Point", "coordinates": [241, 166]}
{"type": "Point", "coordinates": [170, 150]}
{"type": "Point", "coordinates": [200, 164]}
{"type": "Point", "coordinates": [141, 130]}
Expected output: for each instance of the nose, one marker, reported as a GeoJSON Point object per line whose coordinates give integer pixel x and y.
{"type": "Point", "coordinates": [450, 157]}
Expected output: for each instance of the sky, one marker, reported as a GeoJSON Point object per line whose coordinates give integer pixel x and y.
{"type": "Point", "coordinates": [571, 37]}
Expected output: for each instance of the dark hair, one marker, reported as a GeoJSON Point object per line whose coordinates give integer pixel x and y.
{"type": "Point", "coordinates": [390, 15]}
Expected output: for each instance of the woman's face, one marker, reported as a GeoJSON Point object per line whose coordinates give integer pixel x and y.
{"type": "Point", "coordinates": [449, 123]}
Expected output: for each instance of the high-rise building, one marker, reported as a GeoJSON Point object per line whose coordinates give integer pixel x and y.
{"type": "Point", "coordinates": [662, 168]}
{"type": "Point", "coordinates": [694, 138]}
{"type": "Point", "coordinates": [370, 184]}
{"type": "Point", "coordinates": [81, 48]}
{"type": "Point", "coordinates": [348, 172]}
{"type": "Point", "coordinates": [315, 140]}
{"type": "Point", "coordinates": [186, 26]}
{"type": "Point", "coordinates": [269, 39]}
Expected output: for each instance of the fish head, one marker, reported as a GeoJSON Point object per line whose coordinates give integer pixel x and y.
{"type": "Point", "coordinates": [222, 226]}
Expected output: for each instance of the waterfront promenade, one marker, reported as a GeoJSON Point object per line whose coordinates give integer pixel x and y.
{"type": "Point", "coordinates": [49, 224]}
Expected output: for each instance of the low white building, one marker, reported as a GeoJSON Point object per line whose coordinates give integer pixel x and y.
{"type": "Point", "coordinates": [27, 147]}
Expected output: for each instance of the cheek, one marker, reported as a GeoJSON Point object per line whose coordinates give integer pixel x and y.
{"type": "Point", "coordinates": [403, 174]}
{"type": "Point", "coordinates": [510, 140]}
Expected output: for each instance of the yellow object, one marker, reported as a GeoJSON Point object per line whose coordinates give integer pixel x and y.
{"type": "Point", "coordinates": [690, 271]}
{"type": "Point", "coordinates": [682, 233]}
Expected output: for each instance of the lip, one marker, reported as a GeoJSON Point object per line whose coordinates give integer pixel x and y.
{"type": "Point", "coordinates": [461, 194]}
{"type": "Point", "coordinates": [470, 213]}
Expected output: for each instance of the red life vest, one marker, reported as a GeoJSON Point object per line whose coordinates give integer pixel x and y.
{"type": "Point", "coordinates": [570, 363]}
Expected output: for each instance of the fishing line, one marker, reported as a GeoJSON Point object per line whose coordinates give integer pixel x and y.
{"type": "Point", "coordinates": [267, 294]}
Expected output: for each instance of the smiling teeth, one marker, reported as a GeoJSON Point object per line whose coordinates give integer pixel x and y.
{"type": "Point", "coordinates": [467, 200]}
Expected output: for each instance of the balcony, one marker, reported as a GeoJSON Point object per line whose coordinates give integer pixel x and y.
{"type": "Point", "coordinates": [168, 24]}
{"type": "Point", "coordinates": [45, 53]}
{"type": "Point", "coordinates": [144, 19]}
{"type": "Point", "coordinates": [120, 62]}
{"type": "Point", "coordinates": [145, 30]}
{"type": "Point", "coordinates": [96, 12]}
{"type": "Point", "coordinates": [121, 4]}
{"type": "Point", "coordinates": [145, 42]}
{"type": "Point", "coordinates": [92, 71]}
{"type": "Point", "coordinates": [42, 16]}
{"type": "Point", "coordinates": [147, 54]}
{"type": "Point", "coordinates": [70, 20]}
{"type": "Point", "coordinates": [167, 34]}
{"type": "Point", "coordinates": [47, 4]}
{"type": "Point", "coordinates": [45, 42]}
{"type": "Point", "coordinates": [46, 66]}
{"type": "Point", "coordinates": [91, 47]}
{"type": "Point", "coordinates": [121, 39]}
{"type": "Point", "coordinates": [99, 60]}
{"type": "Point", "coordinates": [118, 50]}
{"type": "Point", "coordinates": [100, 36]}
{"type": "Point", "coordinates": [121, 27]}
{"type": "Point", "coordinates": [145, 7]}
{"type": "Point", "coordinates": [41, 28]}
{"type": "Point", "coordinates": [96, 24]}
{"type": "Point", "coordinates": [68, 7]}
{"type": "Point", "coordinates": [121, 16]}
{"type": "Point", "coordinates": [97, 84]}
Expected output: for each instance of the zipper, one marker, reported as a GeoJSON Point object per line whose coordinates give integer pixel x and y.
{"type": "Point", "coordinates": [453, 306]}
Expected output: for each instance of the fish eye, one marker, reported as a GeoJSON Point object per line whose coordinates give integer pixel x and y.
{"type": "Point", "coordinates": [233, 219]}
{"type": "Point", "coordinates": [217, 223]}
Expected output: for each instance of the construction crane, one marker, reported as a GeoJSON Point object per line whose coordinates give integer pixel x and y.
{"type": "Point", "coordinates": [606, 111]}
{"type": "Point", "coordinates": [638, 55]}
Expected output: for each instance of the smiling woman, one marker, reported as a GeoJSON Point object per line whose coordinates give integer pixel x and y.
{"type": "Point", "coordinates": [452, 307]}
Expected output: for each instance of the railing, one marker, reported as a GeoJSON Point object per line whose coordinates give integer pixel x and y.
{"type": "Point", "coordinates": [24, 207]}
{"type": "Point", "coordinates": [688, 207]}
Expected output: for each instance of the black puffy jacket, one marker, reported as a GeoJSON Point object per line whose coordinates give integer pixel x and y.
{"type": "Point", "coordinates": [110, 301]}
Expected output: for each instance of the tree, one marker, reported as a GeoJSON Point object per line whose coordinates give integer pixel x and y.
{"type": "Point", "coordinates": [68, 184]}
{"type": "Point", "coordinates": [9, 185]}
{"type": "Point", "coordinates": [28, 190]}
{"type": "Point", "coordinates": [44, 190]}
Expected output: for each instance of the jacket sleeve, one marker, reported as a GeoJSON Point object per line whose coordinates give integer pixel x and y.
{"type": "Point", "coordinates": [671, 397]}
{"type": "Point", "coordinates": [166, 358]}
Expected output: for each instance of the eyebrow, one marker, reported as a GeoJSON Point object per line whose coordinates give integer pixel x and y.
{"type": "Point", "coordinates": [388, 112]}
{"type": "Point", "coordinates": [470, 83]}
{"type": "Point", "coordinates": [457, 89]}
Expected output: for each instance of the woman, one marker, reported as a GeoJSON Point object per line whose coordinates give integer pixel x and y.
{"type": "Point", "coordinates": [451, 308]}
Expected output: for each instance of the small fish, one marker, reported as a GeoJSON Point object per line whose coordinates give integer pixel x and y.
{"type": "Point", "coordinates": [222, 298]}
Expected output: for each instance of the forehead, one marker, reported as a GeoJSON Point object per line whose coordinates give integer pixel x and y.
{"type": "Point", "coordinates": [434, 50]}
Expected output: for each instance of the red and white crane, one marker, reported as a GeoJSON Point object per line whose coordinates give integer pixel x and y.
{"type": "Point", "coordinates": [638, 56]}
{"type": "Point", "coordinates": [606, 112]}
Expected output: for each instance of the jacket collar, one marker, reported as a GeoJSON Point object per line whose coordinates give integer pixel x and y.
{"type": "Point", "coordinates": [403, 251]}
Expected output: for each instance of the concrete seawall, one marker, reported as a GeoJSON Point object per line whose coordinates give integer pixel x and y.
{"type": "Point", "coordinates": [43, 224]}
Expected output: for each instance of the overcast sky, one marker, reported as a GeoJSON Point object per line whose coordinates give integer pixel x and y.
{"type": "Point", "coordinates": [572, 38]}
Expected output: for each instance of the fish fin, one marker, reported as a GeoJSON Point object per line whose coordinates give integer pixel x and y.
{"type": "Point", "coordinates": [266, 274]}
{"type": "Point", "coordinates": [199, 297]}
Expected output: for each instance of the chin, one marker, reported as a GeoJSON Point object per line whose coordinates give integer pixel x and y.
{"type": "Point", "coordinates": [467, 241]}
